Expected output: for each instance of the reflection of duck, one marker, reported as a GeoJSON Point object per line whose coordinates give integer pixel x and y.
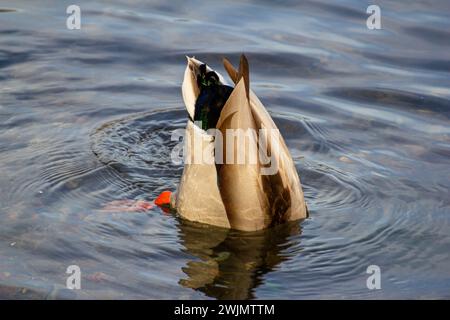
{"type": "Point", "coordinates": [230, 194]}
{"type": "Point", "coordinates": [232, 263]}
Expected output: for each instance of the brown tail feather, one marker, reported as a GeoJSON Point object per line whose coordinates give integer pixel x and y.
{"type": "Point", "coordinates": [244, 72]}
{"type": "Point", "coordinates": [236, 75]}
{"type": "Point", "coordinates": [232, 72]}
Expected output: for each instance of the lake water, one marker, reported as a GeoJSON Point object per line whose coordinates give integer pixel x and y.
{"type": "Point", "coordinates": [86, 116]}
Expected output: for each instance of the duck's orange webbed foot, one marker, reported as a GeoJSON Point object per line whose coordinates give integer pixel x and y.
{"type": "Point", "coordinates": [163, 201]}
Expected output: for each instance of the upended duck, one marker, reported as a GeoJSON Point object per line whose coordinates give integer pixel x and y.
{"type": "Point", "coordinates": [232, 194]}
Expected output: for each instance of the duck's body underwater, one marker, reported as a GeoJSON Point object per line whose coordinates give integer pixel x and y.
{"type": "Point", "coordinates": [232, 195]}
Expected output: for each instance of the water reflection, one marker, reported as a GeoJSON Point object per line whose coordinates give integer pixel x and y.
{"type": "Point", "coordinates": [230, 264]}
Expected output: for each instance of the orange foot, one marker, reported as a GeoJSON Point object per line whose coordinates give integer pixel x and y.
{"type": "Point", "coordinates": [163, 199]}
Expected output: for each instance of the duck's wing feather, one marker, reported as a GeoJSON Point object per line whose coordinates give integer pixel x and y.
{"type": "Point", "coordinates": [197, 197]}
{"type": "Point", "coordinates": [240, 182]}
{"type": "Point", "coordinates": [282, 194]}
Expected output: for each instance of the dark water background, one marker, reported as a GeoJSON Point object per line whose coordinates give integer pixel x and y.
{"type": "Point", "coordinates": [86, 116]}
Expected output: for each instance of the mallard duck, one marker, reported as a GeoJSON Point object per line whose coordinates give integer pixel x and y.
{"type": "Point", "coordinates": [231, 195]}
